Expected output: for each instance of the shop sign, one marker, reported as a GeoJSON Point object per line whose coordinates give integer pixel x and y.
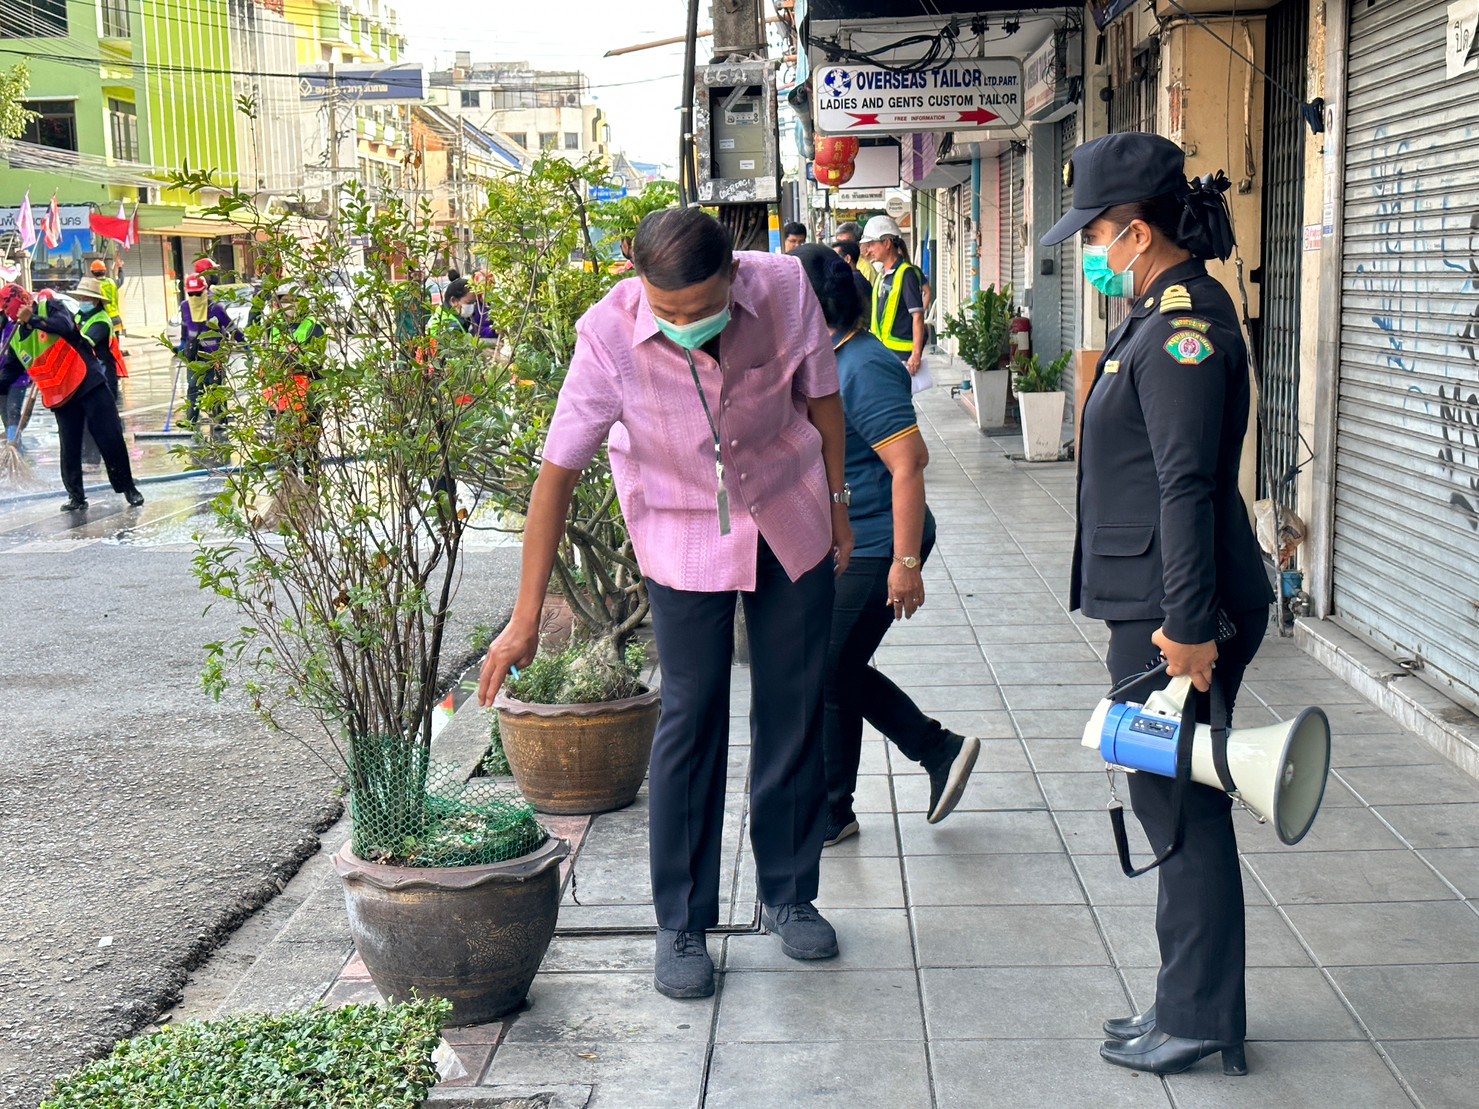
{"type": "Point", "coordinates": [869, 100]}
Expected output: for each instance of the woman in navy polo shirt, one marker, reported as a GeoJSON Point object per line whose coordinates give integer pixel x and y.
{"type": "Point", "coordinates": [893, 532]}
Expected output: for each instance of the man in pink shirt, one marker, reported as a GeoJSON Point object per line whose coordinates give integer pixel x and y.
{"type": "Point", "coordinates": [712, 380]}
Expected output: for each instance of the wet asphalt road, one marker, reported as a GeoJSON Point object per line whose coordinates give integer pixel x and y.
{"type": "Point", "coordinates": [141, 821]}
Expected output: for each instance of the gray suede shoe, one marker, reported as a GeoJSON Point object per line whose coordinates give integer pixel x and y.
{"type": "Point", "coordinates": [683, 967]}
{"type": "Point", "coordinates": [803, 932]}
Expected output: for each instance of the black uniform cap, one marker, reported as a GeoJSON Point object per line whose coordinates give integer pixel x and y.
{"type": "Point", "coordinates": [1117, 169]}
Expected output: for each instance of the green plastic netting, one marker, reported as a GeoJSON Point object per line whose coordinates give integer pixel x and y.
{"type": "Point", "coordinates": [409, 810]}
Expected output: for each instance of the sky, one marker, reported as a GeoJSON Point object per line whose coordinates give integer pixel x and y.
{"type": "Point", "coordinates": [640, 92]}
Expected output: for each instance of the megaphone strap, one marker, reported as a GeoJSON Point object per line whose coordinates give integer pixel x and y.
{"type": "Point", "coordinates": [1221, 729]}
{"type": "Point", "coordinates": [1184, 738]}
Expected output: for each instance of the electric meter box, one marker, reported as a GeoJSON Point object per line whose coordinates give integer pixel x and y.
{"type": "Point", "coordinates": [735, 133]}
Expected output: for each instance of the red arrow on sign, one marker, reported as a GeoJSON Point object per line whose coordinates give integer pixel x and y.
{"type": "Point", "coordinates": [979, 116]}
{"type": "Point", "coordinates": [863, 120]}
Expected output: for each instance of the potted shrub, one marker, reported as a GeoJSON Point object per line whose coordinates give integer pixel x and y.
{"type": "Point", "coordinates": [583, 747]}
{"type": "Point", "coordinates": [577, 727]}
{"type": "Point", "coordinates": [361, 442]}
{"type": "Point", "coordinates": [1042, 401]}
{"type": "Point", "coordinates": [982, 332]}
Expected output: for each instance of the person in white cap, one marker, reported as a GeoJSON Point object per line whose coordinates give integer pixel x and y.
{"type": "Point", "coordinates": [897, 315]}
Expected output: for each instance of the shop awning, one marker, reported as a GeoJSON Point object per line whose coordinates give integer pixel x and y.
{"type": "Point", "coordinates": [199, 227]}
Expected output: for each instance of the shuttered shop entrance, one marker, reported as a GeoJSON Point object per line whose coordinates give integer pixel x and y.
{"type": "Point", "coordinates": [1278, 326]}
{"type": "Point", "coordinates": [1011, 178]}
{"type": "Point", "coordinates": [1406, 539]}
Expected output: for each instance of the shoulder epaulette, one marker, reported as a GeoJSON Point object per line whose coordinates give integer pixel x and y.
{"type": "Point", "coordinates": [1175, 299]}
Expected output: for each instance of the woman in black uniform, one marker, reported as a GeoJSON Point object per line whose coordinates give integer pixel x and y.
{"type": "Point", "coordinates": [1164, 548]}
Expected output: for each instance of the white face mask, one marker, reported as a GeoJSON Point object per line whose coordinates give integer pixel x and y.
{"type": "Point", "coordinates": [466, 310]}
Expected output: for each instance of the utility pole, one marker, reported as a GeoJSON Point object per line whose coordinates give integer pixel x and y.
{"type": "Point", "coordinates": [739, 31]}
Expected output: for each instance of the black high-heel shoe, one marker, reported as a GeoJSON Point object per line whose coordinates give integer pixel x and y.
{"type": "Point", "coordinates": [1159, 1053]}
{"type": "Point", "coordinates": [1127, 1028]}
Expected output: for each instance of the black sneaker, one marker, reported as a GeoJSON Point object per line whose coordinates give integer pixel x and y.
{"type": "Point", "coordinates": [683, 966]}
{"type": "Point", "coordinates": [839, 829]}
{"type": "Point", "coordinates": [803, 933]}
{"type": "Point", "coordinates": [133, 497]}
{"type": "Point", "coordinates": [948, 778]}
{"type": "Point", "coordinates": [74, 504]}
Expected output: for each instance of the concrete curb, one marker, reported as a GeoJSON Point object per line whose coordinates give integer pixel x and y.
{"type": "Point", "coordinates": [1413, 704]}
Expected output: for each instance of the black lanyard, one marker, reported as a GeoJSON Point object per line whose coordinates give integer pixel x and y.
{"type": "Point", "coordinates": [721, 497]}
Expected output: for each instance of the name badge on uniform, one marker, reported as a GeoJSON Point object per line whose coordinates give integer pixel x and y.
{"type": "Point", "coordinates": [1112, 366]}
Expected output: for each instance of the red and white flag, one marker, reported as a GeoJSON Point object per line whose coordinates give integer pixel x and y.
{"type": "Point", "coordinates": [122, 229]}
{"type": "Point", "coordinates": [51, 225]}
{"type": "Point", "coordinates": [25, 224]}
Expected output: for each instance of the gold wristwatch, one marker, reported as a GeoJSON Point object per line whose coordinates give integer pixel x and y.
{"type": "Point", "coordinates": [908, 562]}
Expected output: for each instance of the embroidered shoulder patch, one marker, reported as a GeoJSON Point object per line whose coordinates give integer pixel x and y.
{"type": "Point", "coordinates": [1190, 347]}
{"type": "Point", "coordinates": [1175, 299]}
{"type": "Point", "coordinates": [1191, 321]}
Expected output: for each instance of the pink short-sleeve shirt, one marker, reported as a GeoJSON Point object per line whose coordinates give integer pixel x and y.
{"type": "Point", "coordinates": [630, 385]}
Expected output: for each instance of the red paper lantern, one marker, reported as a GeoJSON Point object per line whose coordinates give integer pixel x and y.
{"type": "Point", "coordinates": [832, 176]}
{"type": "Point", "coordinates": [835, 150]}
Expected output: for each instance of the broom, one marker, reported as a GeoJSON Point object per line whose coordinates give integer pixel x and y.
{"type": "Point", "coordinates": [14, 469]}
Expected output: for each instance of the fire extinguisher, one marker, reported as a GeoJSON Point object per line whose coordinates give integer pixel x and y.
{"type": "Point", "coordinates": [1021, 332]}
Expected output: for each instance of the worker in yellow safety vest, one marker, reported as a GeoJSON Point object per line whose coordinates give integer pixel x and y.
{"type": "Point", "coordinates": [112, 298]}
{"type": "Point", "coordinates": [897, 318]}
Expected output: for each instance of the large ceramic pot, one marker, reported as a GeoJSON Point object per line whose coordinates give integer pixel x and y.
{"type": "Point", "coordinates": [989, 390]}
{"type": "Point", "coordinates": [576, 759]}
{"type": "Point", "coordinates": [474, 935]}
{"type": "Point", "coordinates": [1042, 425]}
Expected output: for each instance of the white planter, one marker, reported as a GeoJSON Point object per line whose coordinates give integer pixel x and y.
{"type": "Point", "coordinates": [989, 389]}
{"type": "Point", "coordinates": [1042, 425]}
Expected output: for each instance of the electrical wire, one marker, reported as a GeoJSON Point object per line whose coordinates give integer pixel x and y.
{"type": "Point", "coordinates": [1235, 52]}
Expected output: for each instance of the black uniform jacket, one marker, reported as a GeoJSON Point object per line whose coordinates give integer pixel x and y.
{"type": "Point", "coordinates": [1163, 532]}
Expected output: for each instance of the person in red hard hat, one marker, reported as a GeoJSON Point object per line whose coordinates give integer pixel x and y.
{"type": "Point", "coordinates": [204, 327]}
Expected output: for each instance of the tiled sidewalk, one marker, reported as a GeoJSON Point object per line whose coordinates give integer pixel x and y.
{"type": "Point", "coordinates": [980, 955]}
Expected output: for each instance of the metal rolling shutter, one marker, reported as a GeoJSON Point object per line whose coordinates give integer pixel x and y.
{"type": "Point", "coordinates": [1406, 567]}
{"type": "Point", "coordinates": [1069, 337]}
{"type": "Point", "coordinates": [1019, 216]}
{"type": "Point", "coordinates": [1283, 208]}
{"type": "Point", "coordinates": [1005, 240]}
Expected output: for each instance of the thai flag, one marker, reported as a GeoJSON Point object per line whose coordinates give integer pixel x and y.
{"type": "Point", "coordinates": [51, 225]}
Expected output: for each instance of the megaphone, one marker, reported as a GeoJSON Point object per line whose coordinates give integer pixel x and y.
{"type": "Point", "coordinates": [1277, 772]}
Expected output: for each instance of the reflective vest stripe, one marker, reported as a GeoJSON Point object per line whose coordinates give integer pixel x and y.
{"type": "Point", "coordinates": [884, 328]}
{"type": "Point", "coordinates": [57, 369]}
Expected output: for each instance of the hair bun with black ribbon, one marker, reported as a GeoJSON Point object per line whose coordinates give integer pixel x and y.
{"type": "Point", "coordinates": [1205, 227]}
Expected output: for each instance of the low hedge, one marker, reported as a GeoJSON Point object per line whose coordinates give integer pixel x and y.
{"type": "Point", "coordinates": [357, 1057]}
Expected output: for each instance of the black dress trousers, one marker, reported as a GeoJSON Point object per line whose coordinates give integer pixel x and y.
{"type": "Point", "coordinates": [1200, 992]}
{"type": "Point", "coordinates": [788, 624]}
{"type": "Point", "coordinates": [92, 409]}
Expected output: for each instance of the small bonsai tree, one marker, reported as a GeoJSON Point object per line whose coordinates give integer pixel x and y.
{"type": "Point", "coordinates": [983, 329]}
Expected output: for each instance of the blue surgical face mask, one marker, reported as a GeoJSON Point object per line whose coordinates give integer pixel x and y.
{"type": "Point", "coordinates": [1099, 274]}
{"type": "Point", "coordinates": [691, 336]}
